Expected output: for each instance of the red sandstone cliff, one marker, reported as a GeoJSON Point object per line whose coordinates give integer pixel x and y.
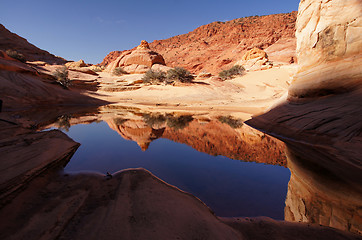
{"type": "Point", "coordinates": [219, 45]}
{"type": "Point", "coordinates": [12, 41]}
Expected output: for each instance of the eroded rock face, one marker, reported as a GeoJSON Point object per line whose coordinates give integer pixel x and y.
{"type": "Point", "coordinates": [9, 40]}
{"type": "Point", "coordinates": [21, 86]}
{"type": "Point", "coordinates": [329, 43]}
{"type": "Point", "coordinates": [137, 61]}
{"type": "Point", "coordinates": [81, 66]}
{"type": "Point", "coordinates": [317, 196]}
{"type": "Point", "coordinates": [255, 59]}
{"type": "Point", "coordinates": [221, 44]}
{"type": "Point", "coordinates": [78, 64]}
{"type": "Point", "coordinates": [328, 83]}
{"type": "Point", "coordinates": [144, 45]}
{"type": "Point", "coordinates": [26, 154]}
{"type": "Point", "coordinates": [254, 53]}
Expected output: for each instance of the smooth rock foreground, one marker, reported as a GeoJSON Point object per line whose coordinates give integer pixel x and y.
{"type": "Point", "coordinates": [26, 154]}
{"type": "Point", "coordinates": [133, 204]}
{"type": "Point", "coordinates": [39, 202]}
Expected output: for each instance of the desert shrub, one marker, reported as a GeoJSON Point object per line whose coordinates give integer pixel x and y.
{"type": "Point", "coordinates": [236, 70]}
{"type": "Point", "coordinates": [180, 74]}
{"type": "Point", "coordinates": [119, 71]}
{"type": "Point", "coordinates": [63, 122]}
{"type": "Point", "coordinates": [154, 77]}
{"type": "Point", "coordinates": [175, 122]}
{"type": "Point", "coordinates": [154, 119]}
{"type": "Point", "coordinates": [178, 122]}
{"type": "Point", "coordinates": [232, 122]}
{"type": "Point", "coordinates": [61, 75]}
{"type": "Point", "coordinates": [14, 54]}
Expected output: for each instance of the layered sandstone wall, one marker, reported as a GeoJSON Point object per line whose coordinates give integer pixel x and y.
{"type": "Point", "coordinates": [220, 45]}
{"type": "Point", "coordinates": [329, 47]}
{"type": "Point", "coordinates": [11, 41]}
{"type": "Point", "coordinates": [328, 82]}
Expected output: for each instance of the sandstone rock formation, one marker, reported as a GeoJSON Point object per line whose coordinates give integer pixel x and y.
{"type": "Point", "coordinates": [255, 59]}
{"type": "Point", "coordinates": [329, 78]}
{"type": "Point", "coordinates": [137, 131]}
{"type": "Point", "coordinates": [143, 45]}
{"type": "Point", "coordinates": [81, 66]}
{"type": "Point", "coordinates": [23, 86]}
{"type": "Point", "coordinates": [78, 64]}
{"type": "Point", "coordinates": [221, 44]}
{"type": "Point", "coordinates": [9, 40]}
{"type": "Point", "coordinates": [160, 67]}
{"type": "Point", "coordinates": [133, 204]}
{"type": "Point", "coordinates": [315, 196]}
{"type": "Point", "coordinates": [137, 61]}
{"type": "Point", "coordinates": [329, 43]}
{"type": "Point", "coordinates": [324, 110]}
{"type": "Point", "coordinates": [26, 154]}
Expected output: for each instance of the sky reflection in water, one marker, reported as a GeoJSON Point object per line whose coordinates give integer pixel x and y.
{"type": "Point", "coordinates": [229, 187]}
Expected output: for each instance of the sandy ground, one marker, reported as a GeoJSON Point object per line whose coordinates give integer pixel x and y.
{"type": "Point", "coordinates": [249, 94]}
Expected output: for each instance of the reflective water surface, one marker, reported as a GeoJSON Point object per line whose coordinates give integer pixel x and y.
{"type": "Point", "coordinates": [234, 169]}
{"type": "Point", "coordinates": [219, 160]}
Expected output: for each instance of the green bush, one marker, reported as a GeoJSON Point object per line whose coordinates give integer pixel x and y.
{"type": "Point", "coordinates": [236, 70]}
{"type": "Point", "coordinates": [232, 122]}
{"type": "Point", "coordinates": [61, 75]}
{"type": "Point", "coordinates": [175, 122]}
{"type": "Point", "coordinates": [63, 122]}
{"type": "Point", "coordinates": [154, 119]}
{"type": "Point", "coordinates": [154, 77]}
{"type": "Point", "coordinates": [14, 54]}
{"type": "Point", "coordinates": [119, 71]}
{"type": "Point", "coordinates": [178, 122]}
{"type": "Point", "coordinates": [179, 74]}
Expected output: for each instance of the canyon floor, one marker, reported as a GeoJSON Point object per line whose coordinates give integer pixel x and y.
{"type": "Point", "coordinates": [246, 95]}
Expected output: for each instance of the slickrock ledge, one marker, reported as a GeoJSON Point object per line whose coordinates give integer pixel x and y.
{"type": "Point", "coordinates": [133, 204]}
{"type": "Point", "coordinates": [26, 154]}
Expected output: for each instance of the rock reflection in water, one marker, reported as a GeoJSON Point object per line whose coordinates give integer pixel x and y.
{"type": "Point", "coordinates": [318, 195]}
{"type": "Point", "coordinates": [224, 136]}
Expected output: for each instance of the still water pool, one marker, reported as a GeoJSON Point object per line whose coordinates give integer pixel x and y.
{"type": "Point", "coordinates": [229, 187]}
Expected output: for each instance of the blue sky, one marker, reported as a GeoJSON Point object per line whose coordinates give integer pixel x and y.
{"type": "Point", "coordinates": [89, 30]}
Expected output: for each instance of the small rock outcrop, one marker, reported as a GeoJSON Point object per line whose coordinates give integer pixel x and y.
{"type": "Point", "coordinates": [81, 66]}
{"type": "Point", "coordinates": [254, 53]}
{"type": "Point", "coordinates": [137, 61]}
{"type": "Point", "coordinates": [255, 59]}
{"type": "Point", "coordinates": [144, 45]}
{"type": "Point", "coordinates": [78, 64]}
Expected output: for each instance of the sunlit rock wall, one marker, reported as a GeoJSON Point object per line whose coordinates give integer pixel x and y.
{"type": "Point", "coordinates": [329, 47]}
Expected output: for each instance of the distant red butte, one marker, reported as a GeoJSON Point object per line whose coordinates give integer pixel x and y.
{"type": "Point", "coordinates": [218, 45]}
